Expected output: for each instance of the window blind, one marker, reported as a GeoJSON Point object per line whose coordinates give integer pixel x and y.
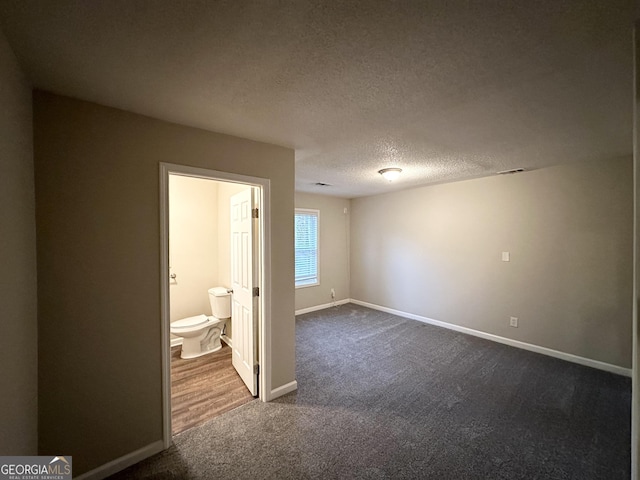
{"type": "Point", "coordinates": [306, 246]}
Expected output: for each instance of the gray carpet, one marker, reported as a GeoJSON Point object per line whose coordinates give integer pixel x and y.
{"type": "Point", "coordinates": [385, 397]}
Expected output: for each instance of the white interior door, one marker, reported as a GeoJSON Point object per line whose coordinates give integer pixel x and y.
{"type": "Point", "coordinates": [243, 280]}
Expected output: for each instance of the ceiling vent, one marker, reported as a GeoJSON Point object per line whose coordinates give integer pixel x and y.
{"type": "Point", "coordinates": [507, 172]}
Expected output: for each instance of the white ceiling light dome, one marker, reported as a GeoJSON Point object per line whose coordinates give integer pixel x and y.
{"type": "Point", "coordinates": [390, 174]}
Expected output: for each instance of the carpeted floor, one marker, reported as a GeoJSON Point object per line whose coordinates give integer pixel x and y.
{"type": "Point", "coordinates": [380, 396]}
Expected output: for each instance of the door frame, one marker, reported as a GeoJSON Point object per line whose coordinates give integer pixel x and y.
{"type": "Point", "coordinates": [264, 281]}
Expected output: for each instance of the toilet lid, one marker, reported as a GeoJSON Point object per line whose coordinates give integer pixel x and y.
{"type": "Point", "coordinates": [190, 322]}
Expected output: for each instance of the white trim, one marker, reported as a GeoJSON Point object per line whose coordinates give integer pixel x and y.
{"type": "Point", "coordinates": [165, 322]}
{"type": "Point", "coordinates": [322, 307]}
{"type": "Point", "coordinates": [227, 340]}
{"type": "Point", "coordinates": [284, 389]}
{"type": "Point", "coordinates": [507, 341]}
{"type": "Point", "coordinates": [264, 332]}
{"type": "Point", "coordinates": [264, 316]}
{"type": "Point", "coordinates": [119, 464]}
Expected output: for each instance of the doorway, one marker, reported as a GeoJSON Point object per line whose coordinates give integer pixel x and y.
{"type": "Point", "coordinates": [250, 313]}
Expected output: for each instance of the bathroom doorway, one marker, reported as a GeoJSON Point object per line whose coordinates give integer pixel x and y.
{"type": "Point", "coordinates": [198, 237]}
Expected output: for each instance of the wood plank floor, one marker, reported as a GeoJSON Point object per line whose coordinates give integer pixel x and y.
{"type": "Point", "coordinates": [203, 388]}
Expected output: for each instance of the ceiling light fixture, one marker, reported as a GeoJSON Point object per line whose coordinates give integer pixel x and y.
{"type": "Point", "coordinates": [390, 173]}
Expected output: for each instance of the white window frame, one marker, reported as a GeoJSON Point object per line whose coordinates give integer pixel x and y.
{"type": "Point", "coordinates": [310, 211]}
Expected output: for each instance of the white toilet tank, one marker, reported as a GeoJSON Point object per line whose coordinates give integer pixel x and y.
{"type": "Point", "coordinates": [220, 301]}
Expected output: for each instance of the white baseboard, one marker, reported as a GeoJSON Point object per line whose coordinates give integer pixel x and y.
{"type": "Point", "coordinates": [114, 466]}
{"type": "Point", "coordinates": [226, 340]}
{"type": "Point", "coordinates": [283, 390]}
{"type": "Point", "coordinates": [507, 341]}
{"type": "Point", "coordinates": [323, 306]}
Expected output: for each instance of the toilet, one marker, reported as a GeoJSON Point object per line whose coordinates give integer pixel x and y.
{"type": "Point", "coordinates": [201, 334]}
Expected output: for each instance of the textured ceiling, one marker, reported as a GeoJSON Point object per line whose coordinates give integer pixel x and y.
{"type": "Point", "coordinates": [446, 90]}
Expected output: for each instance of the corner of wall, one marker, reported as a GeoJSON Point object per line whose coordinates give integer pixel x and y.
{"type": "Point", "coordinates": [19, 356]}
{"type": "Point", "coordinates": [334, 247]}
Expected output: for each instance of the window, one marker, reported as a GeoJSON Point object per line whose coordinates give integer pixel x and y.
{"type": "Point", "coordinates": [306, 243]}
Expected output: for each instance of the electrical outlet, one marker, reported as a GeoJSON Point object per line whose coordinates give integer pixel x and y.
{"type": "Point", "coordinates": [513, 322]}
{"type": "Point", "coordinates": [333, 293]}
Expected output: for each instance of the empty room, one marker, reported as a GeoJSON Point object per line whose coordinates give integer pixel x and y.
{"type": "Point", "coordinates": [406, 230]}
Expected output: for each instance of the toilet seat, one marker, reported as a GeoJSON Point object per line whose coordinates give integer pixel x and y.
{"type": "Point", "coordinates": [190, 325]}
{"type": "Point", "coordinates": [190, 322]}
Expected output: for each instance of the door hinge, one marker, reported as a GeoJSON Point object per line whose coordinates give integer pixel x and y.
{"type": "Point", "coordinates": [256, 369]}
{"type": "Point", "coordinates": [254, 213]}
{"type": "Point", "coordinates": [256, 291]}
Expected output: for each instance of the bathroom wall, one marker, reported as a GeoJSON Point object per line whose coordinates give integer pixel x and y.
{"type": "Point", "coordinates": [18, 321]}
{"type": "Point", "coordinates": [435, 251]}
{"type": "Point", "coordinates": [98, 237]}
{"type": "Point", "coordinates": [193, 244]}
{"type": "Point", "coordinates": [333, 250]}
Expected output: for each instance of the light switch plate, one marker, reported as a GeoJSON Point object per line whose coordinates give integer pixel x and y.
{"type": "Point", "coordinates": [505, 256]}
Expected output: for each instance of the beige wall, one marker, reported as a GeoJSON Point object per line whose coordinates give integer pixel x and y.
{"type": "Point", "coordinates": [193, 244]}
{"type": "Point", "coordinates": [436, 252]}
{"type": "Point", "coordinates": [97, 199]}
{"type": "Point", "coordinates": [18, 322]}
{"type": "Point", "coordinates": [334, 250]}
{"type": "Point", "coordinates": [635, 401]}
